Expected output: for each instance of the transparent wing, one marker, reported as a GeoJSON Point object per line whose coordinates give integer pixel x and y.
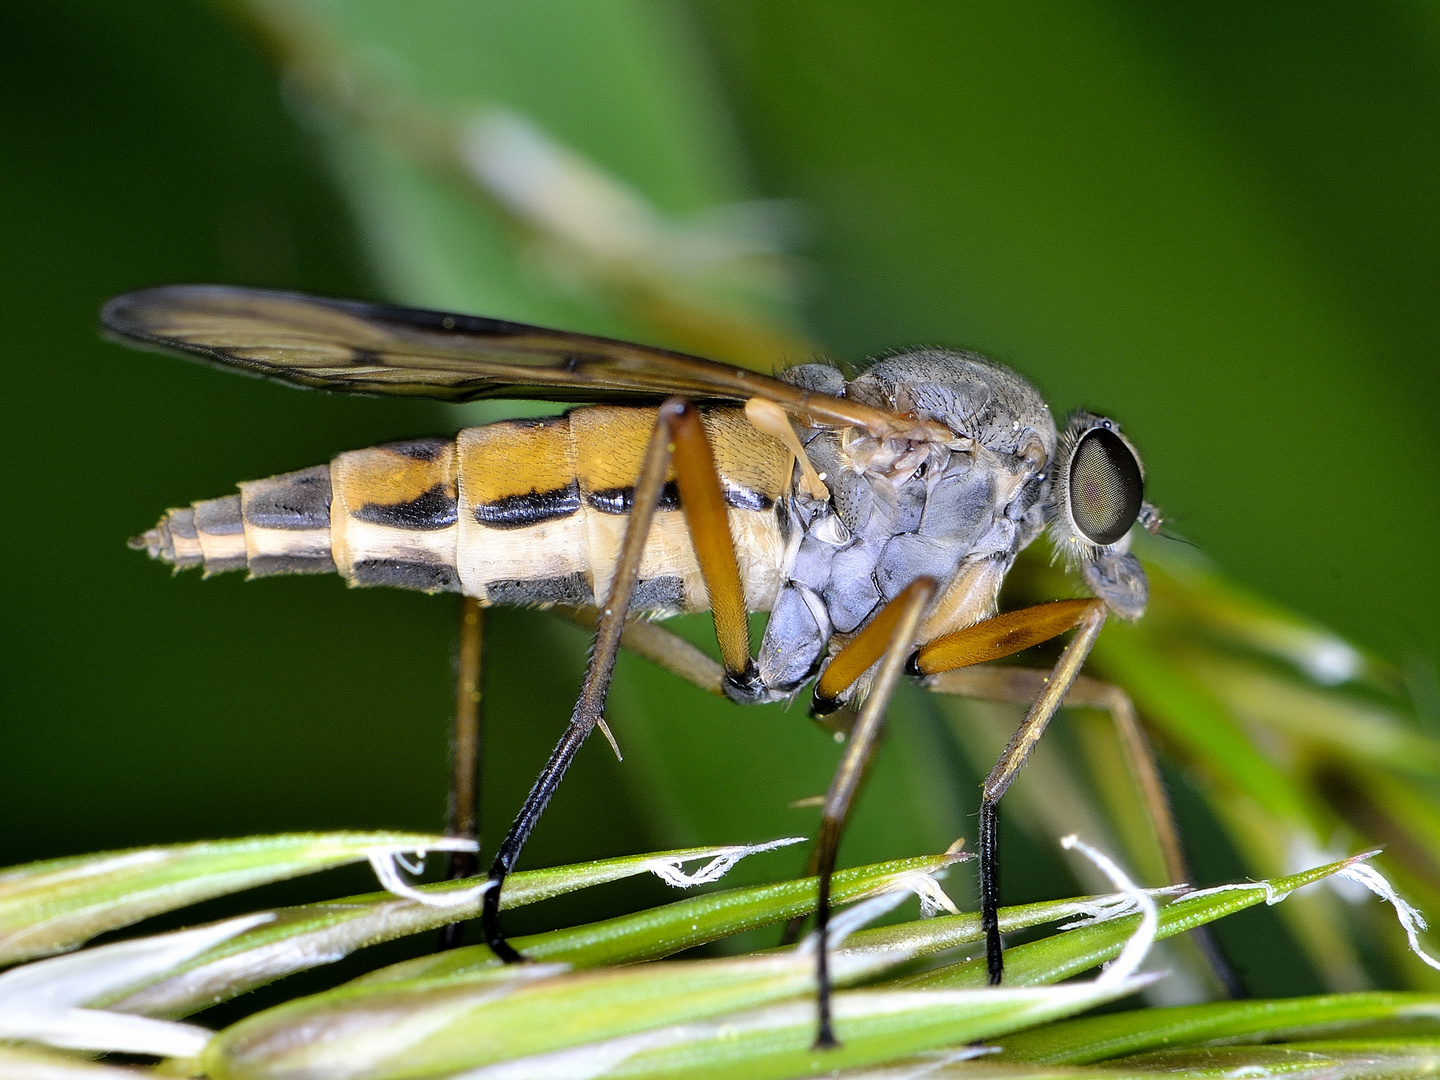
{"type": "Point", "coordinates": [359, 348]}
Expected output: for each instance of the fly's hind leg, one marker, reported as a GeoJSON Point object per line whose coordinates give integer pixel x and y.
{"type": "Point", "coordinates": [466, 744]}
{"type": "Point", "coordinates": [663, 648]}
{"type": "Point", "coordinates": [678, 435]}
{"type": "Point", "coordinates": [1020, 686]}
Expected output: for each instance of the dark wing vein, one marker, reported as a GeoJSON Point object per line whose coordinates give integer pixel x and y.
{"type": "Point", "coordinates": [359, 348]}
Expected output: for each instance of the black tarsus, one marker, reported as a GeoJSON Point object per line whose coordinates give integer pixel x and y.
{"type": "Point", "coordinates": [826, 845]}
{"type": "Point", "coordinates": [582, 721]}
{"type": "Point", "coordinates": [990, 889]}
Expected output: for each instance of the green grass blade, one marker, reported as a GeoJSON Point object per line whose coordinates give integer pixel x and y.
{"type": "Point", "coordinates": [307, 936]}
{"type": "Point", "coordinates": [48, 907]}
{"type": "Point", "coordinates": [663, 931]}
{"type": "Point", "coordinates": [1179, 703]}
{"type": "Point", "coordinates": [1098, 1038]}
{"type": "Point", "coordinates": [1343, 726]}
{"type": "Point", "coordinates": [25, 1063]}
{"type": "Point", "coordinates": [1074, 951]}
{"type": "Point", "coordinates": [1294, 1061]}
{"type": "Point", "coordinates": [1205, 600]}
{"type": "Point", "coordinates": [776, 1043]}
{"type": "Point", "coordinates": [438, 1026]}
{"type": "Point", "coordinates": [304, 937]}
{"type": "Point", "coordinates": [666, 1019]}
{"type": "Point", "coordinates": [927, 936]}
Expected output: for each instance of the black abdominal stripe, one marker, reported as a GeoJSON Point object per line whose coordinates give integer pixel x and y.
{"type": "Point", "coordinates": [401, 516]}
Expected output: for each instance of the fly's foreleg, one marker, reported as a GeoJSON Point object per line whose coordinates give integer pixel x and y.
{"type": "Point", "coordinates": [708, 523]}
{"type": "Point", "coordinates": [679, 435]}
{"type": "Point", "coordinates": [466, 745]}
{"type": "Point", "coordinates": [1020, 686]}
{"type": "Point", "coordinates": [1005, 635]}
{"type": "Point", "coordinates": [860, 654]}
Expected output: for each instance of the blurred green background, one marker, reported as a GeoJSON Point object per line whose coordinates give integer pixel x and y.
{"type": "Point", "coordinates": [1218, 224]}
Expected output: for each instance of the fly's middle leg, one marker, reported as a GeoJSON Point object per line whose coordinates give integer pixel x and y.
{"type": "Point", "coordinates": [679, 436]}
{"type": "Point", "coordinates": [887, 638]}
{"type": "Point", "coordinates": [992, 639]}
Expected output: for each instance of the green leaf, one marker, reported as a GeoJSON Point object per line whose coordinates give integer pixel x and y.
{"type": "Point", "coordinates": [1185, 709]}
{"type": "Point", "coordinates": [1347, 728]}
{"type": "Point", "coordinates": [664, 1019]}
{"type": "Point", "coordinates": [942, 932]}
{"type": "Point", "coordinates": [1228, 611]}
{"type": "Point", "coordinates": [48, 907]}
{"type": "Point", "coordinates": [45, 1001]}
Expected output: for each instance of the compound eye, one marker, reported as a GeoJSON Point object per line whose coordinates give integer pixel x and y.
{"type": "Point", "coordinates": [1106, 486]}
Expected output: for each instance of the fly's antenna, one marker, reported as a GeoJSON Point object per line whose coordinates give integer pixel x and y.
{"type": "Point", "coordinates": [1153, 522]}
{"type": "Point", "coordinates": [1150, 518]}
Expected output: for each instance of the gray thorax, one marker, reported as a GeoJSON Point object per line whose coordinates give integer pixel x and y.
{"type": "Point", "coordinates": [898, 510]}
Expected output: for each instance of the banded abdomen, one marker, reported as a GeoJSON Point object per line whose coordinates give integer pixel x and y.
{"type": "Point", "coordinates": [516, 512]}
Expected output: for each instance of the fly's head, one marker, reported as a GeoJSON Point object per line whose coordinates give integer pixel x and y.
{"type": "Point", "coordinates": [1097, 494]}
